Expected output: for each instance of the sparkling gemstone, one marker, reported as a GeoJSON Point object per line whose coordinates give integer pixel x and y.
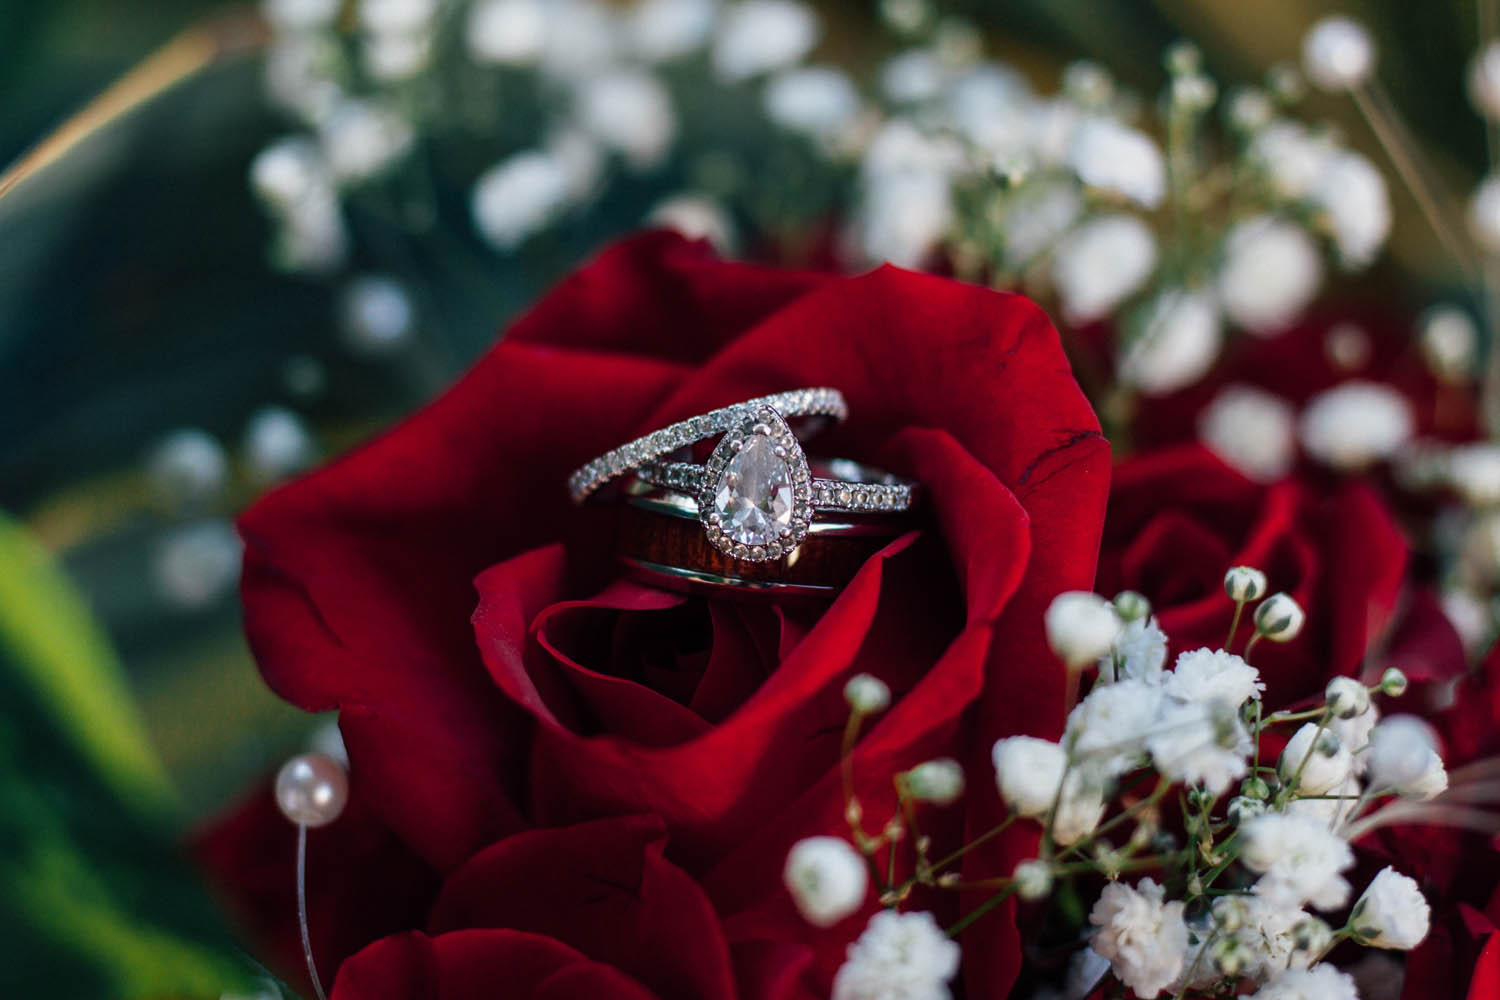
{"type": "Point", "coordinates": [754, 494]}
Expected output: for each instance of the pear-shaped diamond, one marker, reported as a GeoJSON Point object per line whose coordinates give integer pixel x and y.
{"type": "Point", "coordinates": [753, 497]}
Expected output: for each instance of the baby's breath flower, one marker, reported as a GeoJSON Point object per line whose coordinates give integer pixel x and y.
{"type": "Point", "coordinates": [1321, 982]}
{"type": "Point", "coordinates": [1139, 652]}
{"type": "Point", "coordinates": [1101, 263]}
{"type": "Point", "coordinates": [867, 694]}
{"type": "Point", "coordinates": [1033, 879]}
{"type": "Point", "coordinates": [1279, 618]}
{"type": "Point", "coordinates": [1143, 936]}
{"type": "Point", "coordinates": [900, 956]}
{"type": "Point", "coordinates": [1244, 583]}
{"type": "Point", "coordinates": [1269, 273]}
{"type": "Point", "coordinates": [1299, 860]}
{"type": "Point", "coordinates": [1449, 337]}
{"type": "Point", "coordinates": [1393, 682]}
{"type": "Point", "coordinates": [1081, 627]}
{"type": "Point", "coordinates": [1392, 913]}
{"type": "Point", "coordinates": [1356, 424]}
{"type": "Point", "coordinates": [1108, 729]}
{"type": "Point", "coordinates": [1179, 334]}
{"type": "Point", "coordinates": [1316, 772]}
{"type": "Point", "coordinates": [1347, 697]}
{"type": "Point", "coordinates": [1251, 430]}
{"type": "Point", "coordinates": [1112, 157]}
{"type": "Point", "coordinates": [1132, 606]}
{"type": "Point", "coordinates": [1338, 54]}
{"type": "Point", "coordinates": [827, 878]}
{"type": "Point", "coordinates": [759, 36]}
{"type": "Point", "coordinates": [1028, 771]}
{"type": "Point", "coordinates": [1404, 758]}
{"type": "Point", "coordinates": [1208, 675]}
{"type": "Point", "coordinates": [1202, 744]}
{"type": "Point", "coordinates": [940, 781]}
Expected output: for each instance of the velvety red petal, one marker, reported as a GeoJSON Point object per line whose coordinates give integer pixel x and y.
{"type": "Point", "coordinates": [479, 965]}
{"type": "Point", "coordinates": [605, 889]}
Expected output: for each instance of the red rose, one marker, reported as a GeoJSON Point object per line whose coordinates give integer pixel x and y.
{"type": "Point", "coordinates": [1179, 517]}
{"type": "Point", "coordinates": [492, 750]}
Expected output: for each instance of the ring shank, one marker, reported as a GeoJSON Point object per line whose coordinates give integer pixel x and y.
{"type": "Point", "coordinates": [824, 402]}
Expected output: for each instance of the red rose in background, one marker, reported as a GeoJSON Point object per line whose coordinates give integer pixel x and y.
{"type": "Point", "coordinates": [588, 787]}
{"type": "Point", "coordinates": [1179, 517]}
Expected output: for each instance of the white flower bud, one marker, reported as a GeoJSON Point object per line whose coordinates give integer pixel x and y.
{"type": "Point", "coordinates": [1311, 935]}
{"type": "Point", "coordinates": [1132, 606]}
{"type": "Point", "coordinates": [1403, 758]}
{"type": "Point", "coordinates": [1393, 682]}
{"type": "Point", "coordinates": [827, 879]}
{"type": "Point", "coordinates": [1392, 913]}
{"type": "Point", "coordinates": [1231, 913]}
{"type": "Point", "coordinates": [1028, 771]}
{"type": "Point", "coordinates": [867, 694]}
{"type": "Point", "coordinates": [1033, 879]}
{"type": "Point", "coordinates": [1450, 342]}
{"type": "Point", "coordinates": [1484, 81]}
{"type": "Point", "coordinates": [1081, 627]}
{"type": "Point", "coordinates": [1242, 808]}
{"type": "Point", "coordinates": [940, 781]}
{"type": "Point", "coordinates": [1338, 54]}
{"type": "Point", "coordinates": [1347, 697]}
{"type": "Point", "coordinates": [1250, 109]}
{"type": "Point", "coordinates": [1320, 770]}
{"type": "Point", "coordinates": [1279, 618]}
{"type": "Point", "coordinates": [1484, 215]}
{"type": "Point", "coordinates": [1229, 956]}
{"type": "Point", "coordinates": [1194, 92]}
{"type": "Point", "coordinates": [1242, 583]}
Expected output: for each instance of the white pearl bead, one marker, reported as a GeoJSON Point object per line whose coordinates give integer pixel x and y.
{"type": "Point", "coordinates": [311, 789]}
{"type": "Point", "coordinates": [1484, 215]}
{"type": "Point", "coordinates": [1484, 81]}
{"type": "Point", "coordinates": [1338, 54]}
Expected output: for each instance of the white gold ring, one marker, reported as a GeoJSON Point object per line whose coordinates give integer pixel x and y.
{"type": "Point", "coordinates": [629, 457]}
{"type": "Point", "coordinates": [756, 494]}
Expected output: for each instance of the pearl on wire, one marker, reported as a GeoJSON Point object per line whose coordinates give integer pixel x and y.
{"type": "Point", "coordinates": [311, 790]}
{"type": "Point", "coordinates": [1338, 54]}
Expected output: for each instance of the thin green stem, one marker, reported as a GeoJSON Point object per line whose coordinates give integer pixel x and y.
{"type": "Point", "coordinates": [979, 911]}
{"type": "Point", "coordinates": [1234, 623]}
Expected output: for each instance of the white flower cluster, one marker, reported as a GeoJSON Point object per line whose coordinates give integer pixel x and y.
{"type": "Point", "coordinates": [1241, 908]}
{"type": "Point", "coordinates": [1076, 175]}
{"type": "Point", "coordinates": [598, 66]}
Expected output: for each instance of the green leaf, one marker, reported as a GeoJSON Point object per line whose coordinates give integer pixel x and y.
{"type": "Point", "coordinates": [54, 641]}
{"type": "Point", "coordinates": [95, 899]}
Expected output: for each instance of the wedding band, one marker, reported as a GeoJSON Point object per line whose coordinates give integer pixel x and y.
{"type": "Point", "coordinates": [628, 457]}
{"type": "Point", "coordinates": [660, 543]}
{"type": "Point", "coordinates": [756, 494]}
{"type": "Point", "coordinates": [849, 488]}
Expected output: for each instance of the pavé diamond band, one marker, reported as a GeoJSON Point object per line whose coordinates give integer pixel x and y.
{"type": "Point", "coordinates": [756, 494]}
{"type": "Point", "coordinates": [847, 487]}
{"type": "Point", "coordinates": [820, 402]}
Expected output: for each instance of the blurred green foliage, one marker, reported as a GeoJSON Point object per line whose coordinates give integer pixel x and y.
{"type": "Point", "coordinates": [94, 899]}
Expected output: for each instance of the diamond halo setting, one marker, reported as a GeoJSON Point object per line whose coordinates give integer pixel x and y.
{"type": "Point", "coordinates": [755, 497]}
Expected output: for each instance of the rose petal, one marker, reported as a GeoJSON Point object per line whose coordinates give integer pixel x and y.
{"type": "Point", "coordinates": [605, 889]}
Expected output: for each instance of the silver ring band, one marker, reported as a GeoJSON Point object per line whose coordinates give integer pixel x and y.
{"type": "Point", "coordinates": [856, 490]}
{"type": "Point", "coordinates": [658, 444]}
